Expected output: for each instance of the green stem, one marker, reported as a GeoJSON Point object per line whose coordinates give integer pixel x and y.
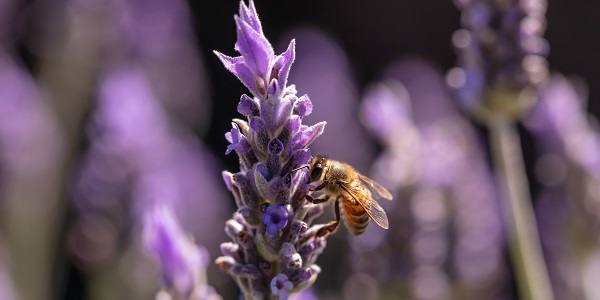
{"type": "Point", "coordinates": [523, 237]}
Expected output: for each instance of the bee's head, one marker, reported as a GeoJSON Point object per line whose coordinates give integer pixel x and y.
{"type": "Point", "coordinates": [317, 164]}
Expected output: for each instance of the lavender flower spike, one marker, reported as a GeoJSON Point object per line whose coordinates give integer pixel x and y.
{"type": "Point", "coordinates": [272, 252]}
{"type": "Point", "coordinates": [501, 56]}
{"type": "Point", "coordinates": [183, 263]}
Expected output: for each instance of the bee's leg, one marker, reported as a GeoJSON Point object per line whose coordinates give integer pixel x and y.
{"type": "Point", "coordinates": [314, 200]}
{"type": "Point", "coordinates": [331, 226]}
{"type": "Point", "coordinates": [320, 186]}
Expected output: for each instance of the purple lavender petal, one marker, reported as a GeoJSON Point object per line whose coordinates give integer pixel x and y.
{"type": "Point", "coordinates": [249, 15]}
{"type": "Point", "coordinates": [301, 157]}
{"type": "Point", "coordinates": [282, 114]}
{"type": "Point", "coordinates": [303, 106]}
{"type": "Point", "coordinates": [293, 124]}
{"type": "Point", "coordinates": [309, 134]}
{"type": "Point", "coordinates": [228, 179]}
{"type": "Point", "coordinates": [234, 137]}
{"type": "Point", "coordinates": [248, 107]}
{"type": "Point", "coordinates": [254, 48]}
{"type": "Point", "coordinates": [274, 88]}
{"type": "Point", "coordinates": [275, 218]}
{"type": "Point", "coordinates": [237, 66]}
{"type": "Point", "coordinates": [280, 286]}
{"type": "Point", "coordinates": [283, 63]}
{"type": "Point", "coordinates": [272, 228]}
{"type": "Point", "coordinates": [275, 147]}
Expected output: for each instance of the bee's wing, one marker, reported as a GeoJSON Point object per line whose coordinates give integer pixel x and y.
{"type": "Point", "coordinates": [371, 206]}
{"type": "Point", "coordinates": [376, 188]}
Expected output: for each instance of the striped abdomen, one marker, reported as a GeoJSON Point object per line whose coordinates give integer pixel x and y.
{"type": "Point", "coordinates": [356, 218]}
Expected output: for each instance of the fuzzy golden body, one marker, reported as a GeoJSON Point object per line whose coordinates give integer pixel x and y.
{"type": "Point", "coordinates": [353, 192]}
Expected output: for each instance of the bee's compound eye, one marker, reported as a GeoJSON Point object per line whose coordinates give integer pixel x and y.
{"type": "Point", "coordinates": [316, 173]}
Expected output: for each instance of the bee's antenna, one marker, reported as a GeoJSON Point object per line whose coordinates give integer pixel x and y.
{"type": "Point", "coordinates": [299, 168]}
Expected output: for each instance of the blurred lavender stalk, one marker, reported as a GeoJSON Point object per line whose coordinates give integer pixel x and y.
{"type": "Point", "coordinates": [501, 63]}
{"type": "Point", "coordinates": [428, 138]}
{"type": "Point", "coordinates": [385, 256]}
{"type": "Point", "coordinates": [31, 147]}
{"type": "Point", "coordinates": [121, 34]}
{"type": "Point", "coordinates": [138, 157]}
{"type": "Point", "coordinates": [7, 288]}
{"type": "Point", "coordinates": [68, 56]}
{"type": "Point", "coordinates": [569, 203]}
{"type": "Point", "coordinates": [183, 263]}
{"type": "Point", "coordinates": [31, 156]}
{"type": "Point", "coordinates": [159, 36]}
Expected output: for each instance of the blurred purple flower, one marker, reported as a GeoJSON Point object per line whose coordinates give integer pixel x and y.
{"type": "Point", "coordinates": [501, 49]}
{"type": "Point", "coordinates": [29, 136]}
{"type": "Point", "coordinates": [275, 218]}
{"type": "Point", "coordinates": [6, 288]}
{"type": "Point", "coordinates": [183, 263]}
{"type": "Point", "coordinates": [568, 170]}
{"type": "Point", "coordinates": [559, 120]}
{"type": "Point", "coordinates": [273, 143]}
{"type": "Point", "coordinates": [305, 294]}
{"type": "Point", "coordinates": [398, 165]}
{"type": "Point", "coordinates": [159, 36]}
{"type": "Point", "coordinates": [449, 174]}
{"type": "Point", "coordinates": [136, 159]}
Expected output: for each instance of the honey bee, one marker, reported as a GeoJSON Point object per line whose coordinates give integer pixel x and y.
{"type": "Point", "coordinates": [352, 191]}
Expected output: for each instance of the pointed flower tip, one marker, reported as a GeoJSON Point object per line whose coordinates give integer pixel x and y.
{"type": "Point", "coordinates": [254, 47]}
{"type": "Point", "coordinates": [291, 50]}
{"type": "Point", "coordinates": [320, 127]}
{"type": "Point", "coordinates": [248, 14]}
{"type": "Point", "coordinates": [224, 58]}
{"type": "Point", "coordinates": [228, 179]}
{"type": "Point", "coordinates": [228, 61]}
{"type": "Point", "coordinates": [283, 64]}
{"type": "Point", "coordinates": [161, 227]}
{"type": "Point", "coordinates": [309, 134]}
{"type": "Point", "coordinates": [178, 255]}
